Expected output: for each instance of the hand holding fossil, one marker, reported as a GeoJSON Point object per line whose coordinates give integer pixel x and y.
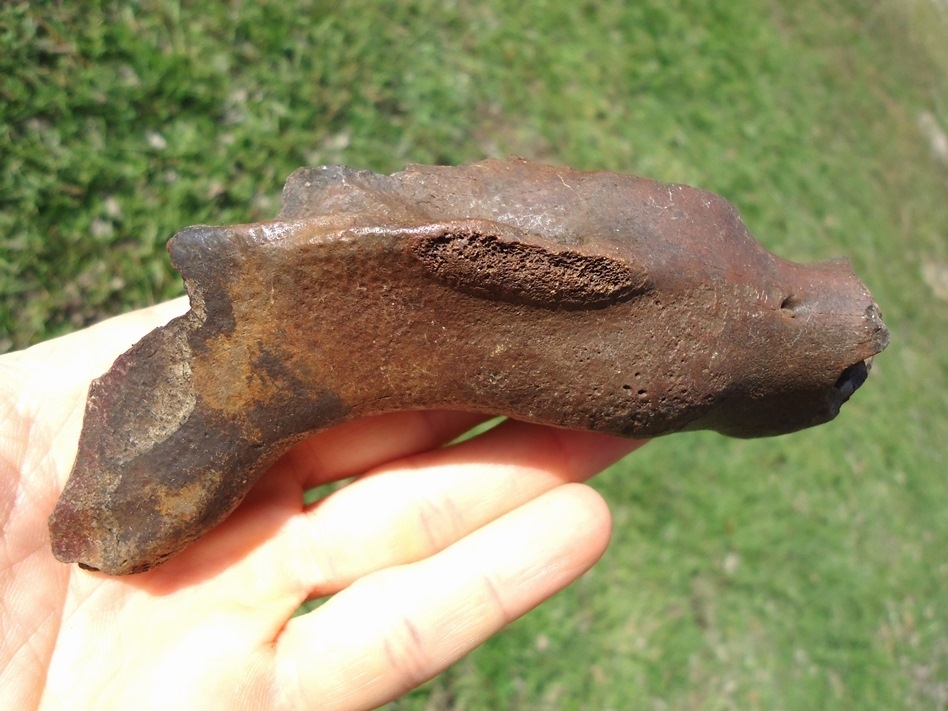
{"type": "Point", "coordinates": [477, 533]}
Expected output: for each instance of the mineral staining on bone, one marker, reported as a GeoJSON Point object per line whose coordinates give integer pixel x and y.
{"type": "Point", "coordinates": [590, 301]}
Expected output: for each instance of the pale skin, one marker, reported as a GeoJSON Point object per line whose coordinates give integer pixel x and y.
{"type": "Point", "coordinates": [426, 554]}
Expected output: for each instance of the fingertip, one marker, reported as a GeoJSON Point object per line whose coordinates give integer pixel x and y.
{"type": "Point", "coordinates": [402, 625]}
{"type": "Point", "coordinates": [586, 517]}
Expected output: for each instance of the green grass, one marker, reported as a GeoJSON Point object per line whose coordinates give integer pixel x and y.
{"type": "Point", "coordinates": [804, 572]}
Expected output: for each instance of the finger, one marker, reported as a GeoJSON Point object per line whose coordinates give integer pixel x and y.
{"type": "Point", "coordinates": [268, 511]}
{"type": "Point", "coordinates": [355, 447]}
{"type": "Point", "coordinates": [397, 628]}
{"type": "Point", "coordinates": [422, 504]}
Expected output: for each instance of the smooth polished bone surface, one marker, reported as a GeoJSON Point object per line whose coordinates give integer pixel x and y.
{"type": "Point", "coordinates": [592, 301]}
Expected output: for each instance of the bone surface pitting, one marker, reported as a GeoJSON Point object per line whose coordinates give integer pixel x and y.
{"type": "Point", "coordinates": [585, 300]}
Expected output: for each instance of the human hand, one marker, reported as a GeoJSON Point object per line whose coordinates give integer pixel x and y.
{"type": "Point", "coordinates": [428, 552]}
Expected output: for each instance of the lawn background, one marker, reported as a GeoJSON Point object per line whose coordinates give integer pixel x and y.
{"type": "Point", "coordinates": [804, 572]}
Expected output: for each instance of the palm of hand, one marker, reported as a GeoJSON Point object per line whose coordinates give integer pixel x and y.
{"type": "Point", "coordinates": [427, 553]}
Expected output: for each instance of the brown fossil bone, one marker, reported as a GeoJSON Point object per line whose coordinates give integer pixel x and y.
{"type": "Point", "coordinates": [583, 300]}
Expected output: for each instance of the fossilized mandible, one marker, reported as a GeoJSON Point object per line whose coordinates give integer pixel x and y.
{"type": "Point", "coordinates": [583, 300]}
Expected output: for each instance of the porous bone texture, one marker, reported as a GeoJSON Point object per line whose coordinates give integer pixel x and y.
{"type": "Point", "coordinates": [584, 300]}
